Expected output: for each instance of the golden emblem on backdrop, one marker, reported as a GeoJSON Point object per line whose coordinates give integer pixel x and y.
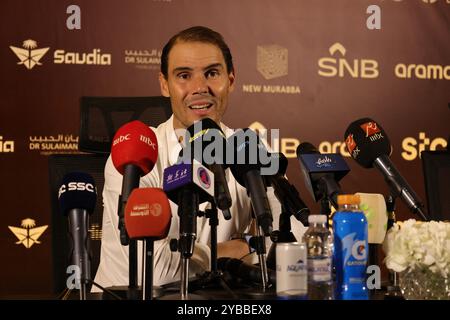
{"type": "Point", "coordinates": [29, 233]}
{"type": "Point", "coordinates": [29, 56]}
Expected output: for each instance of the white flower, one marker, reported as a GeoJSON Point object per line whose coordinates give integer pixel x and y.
{"type": "Point", "coordinates": [415, 244]}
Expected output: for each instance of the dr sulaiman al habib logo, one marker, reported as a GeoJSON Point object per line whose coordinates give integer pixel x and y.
{"type": "Point", "coordinates": [29, 56]}
{"type": "Point", "coordinates": [29, 233]}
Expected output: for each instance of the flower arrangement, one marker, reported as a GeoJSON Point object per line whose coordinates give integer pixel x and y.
{"type": "Point", "coordinates": [416, 245]}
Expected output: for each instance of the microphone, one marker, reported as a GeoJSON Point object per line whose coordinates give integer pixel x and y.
{"type": "Point", "coordinates": [207, 144]}
{"type": "Point", "coordinates": [147, 217]}
{"type": "Point", "coordinates": [248, 153]}
{"type": "Point", "coordinates": [77, 196]}
{"type": "Point", "coordinates": [286, 193]}
{"type": "Point", "coordinates": [134, 153]}
{"type": "Point", "coordinates": [239, 269]}
{"type": "Point", "coordinates": [148, 214]}
{"type": "Point", "coordinates": [369, 145]}
{"type": "Point", "coordinates": [322, 172]}
{"type": "Point", "coordinates": [188, 185]}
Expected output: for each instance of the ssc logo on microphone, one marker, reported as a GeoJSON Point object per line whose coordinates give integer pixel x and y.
{"type": "Point", "coordinates": [76, 186]}
{"type": "Point", "coordinates": [204, 178]}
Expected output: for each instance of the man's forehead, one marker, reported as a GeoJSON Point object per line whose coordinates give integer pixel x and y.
{"type": "Point", "coordinates": [195, 55]}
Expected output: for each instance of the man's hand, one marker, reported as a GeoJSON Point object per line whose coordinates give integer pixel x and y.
{"type": "Point", "coordinates": [233, 248]}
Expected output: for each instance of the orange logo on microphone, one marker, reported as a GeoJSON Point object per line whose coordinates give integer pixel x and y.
{"type": "Point", "coordinates": [370, 128]}
{"type": "Point", "coordinates": [351, 144]}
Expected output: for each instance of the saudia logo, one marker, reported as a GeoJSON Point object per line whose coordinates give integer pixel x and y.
{"type": "Point", "coordinates": [358, 68]}
{"type": "Point", "coordinates": [29, 56]}
{"type": "Point", "coordinates": [372, 131]}
{"type": "Point", "coordinates": [95, 57]}
{"type": "Point", "coordinates": [6, 146]}
{"type": "Point", "coordinates": [29, 233]}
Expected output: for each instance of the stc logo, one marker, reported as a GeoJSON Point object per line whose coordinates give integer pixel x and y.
{"type": "Point", "coordinates": [340, 67]}
{"type": "Point", "coordinates": [76, 186]}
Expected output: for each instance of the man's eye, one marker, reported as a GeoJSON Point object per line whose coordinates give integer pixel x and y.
{"type": "Point", "coordinates": [183, 76]}
{"type": "Point", "coordinates": [212, 74]}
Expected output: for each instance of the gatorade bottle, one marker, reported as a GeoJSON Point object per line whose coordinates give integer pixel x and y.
{"type": "Point", "coordinates": [350, 249]}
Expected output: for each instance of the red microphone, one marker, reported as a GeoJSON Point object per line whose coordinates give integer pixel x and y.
{"type": "Point", "coordinates": [147, 217]}
{"type": "Point", "coordinates": [134, 152]}
{"type": "Point", "coordinates": [148, 214]}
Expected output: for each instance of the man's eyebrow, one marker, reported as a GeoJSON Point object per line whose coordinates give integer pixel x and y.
{"type": "Point", "coordinates": [211, 66]}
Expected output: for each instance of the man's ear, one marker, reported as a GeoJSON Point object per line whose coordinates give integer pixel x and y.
{"type": "Point", "coordinates": [231, 78]}
{"type": "Point", "coordinates": [164, 85]}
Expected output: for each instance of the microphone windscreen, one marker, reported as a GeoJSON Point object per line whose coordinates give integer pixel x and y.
{"type": "Point", "coordinates": [77, 191]}
{"type": "Point", "coordinates": [282, 162]}
{"type": "Point", "coordinates": [366, 140]}
{"type": "Point", "coordinates": [136, 144]}
{"type": "Point", "coordinates": [148, 214]}
{"type": "Point", "coordinates": [205, 135]}
{"type": "Point", "coordinates": [306, 148]}
{"type": "Point", "coordinates": [247, 152]}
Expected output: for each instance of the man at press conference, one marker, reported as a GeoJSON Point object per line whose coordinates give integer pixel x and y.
{"type": "Point", "coordinates": [197, 74]}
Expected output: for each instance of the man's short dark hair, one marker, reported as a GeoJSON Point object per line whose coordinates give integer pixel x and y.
{"type": "Point", "coordinates": [197, 34]}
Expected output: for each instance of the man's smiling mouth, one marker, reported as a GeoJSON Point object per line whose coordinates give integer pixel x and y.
{"type": "Point", "coordinates": [203, 106]}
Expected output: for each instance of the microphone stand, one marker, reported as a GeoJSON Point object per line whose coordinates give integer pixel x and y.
{"type": "Point", "coordinates": [147, 288]}
{"type": "Point", "coordinates": [284, 234]}
{"type": "Point", "coordinates": [214, 276]}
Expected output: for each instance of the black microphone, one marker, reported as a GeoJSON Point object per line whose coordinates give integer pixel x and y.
{"type": "Point", "coordinates": [207, 144]}
{"type": "Point", "coordinates": [248, 159]}
{"type": "Point", "coordinates": [77, 196]}
{"type": "Point", "coordinates": [322, 172]}
{"type": "Point", "coordinates": [188, 185]}
{"type": "Point", "coordinates": [286, 193]}
{"type": "Point", "coordinates": [368, 144]}
{"type": "Point", "coordinates": [239, 269]}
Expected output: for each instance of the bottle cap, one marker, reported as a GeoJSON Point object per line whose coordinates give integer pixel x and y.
{"type": "Point", "coordinates": [317, 218]}
{"type": "Point", "coordinates": [348, 199]}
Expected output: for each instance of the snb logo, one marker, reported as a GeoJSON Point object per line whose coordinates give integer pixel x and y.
{"type": "Point", "coordinates": [76, 186]}
{"type": "Point", "coordinates": [359, 251]}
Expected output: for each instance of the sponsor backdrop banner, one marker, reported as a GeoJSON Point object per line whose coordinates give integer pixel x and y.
{"type": "Point", "coordinates": [308, 68]}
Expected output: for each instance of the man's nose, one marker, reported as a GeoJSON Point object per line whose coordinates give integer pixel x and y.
{"type": "Point", "coordinates": [200, 84]}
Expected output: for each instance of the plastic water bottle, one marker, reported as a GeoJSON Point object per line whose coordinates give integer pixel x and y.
{"type": "Point", "coordinates": [319, 246]}
{"type": "Point", "coordinates": [350, 249]}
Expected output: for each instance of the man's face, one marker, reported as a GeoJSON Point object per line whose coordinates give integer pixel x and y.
{"type": "Point", "coordinates": [197, 83]}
